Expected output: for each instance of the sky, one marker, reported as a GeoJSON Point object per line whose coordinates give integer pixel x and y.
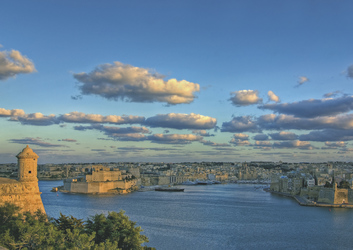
{"type": "Point", "coordinates": [176, 81]}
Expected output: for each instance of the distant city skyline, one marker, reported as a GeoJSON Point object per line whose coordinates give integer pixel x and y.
{"type": "Point", "coordinates": [183, 81]}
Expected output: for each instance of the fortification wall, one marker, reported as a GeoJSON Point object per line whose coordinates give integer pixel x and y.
{"type": "Point", "coordinates": [326, 195]}
{"type": "Point", "coordinates": [350, 195]}
{"type": "Point", "coordinates": [97, 187]}
{"type": "Point", "coordinates": [25, 195]}
{"type": "Point", "coordinates": [341, 196]}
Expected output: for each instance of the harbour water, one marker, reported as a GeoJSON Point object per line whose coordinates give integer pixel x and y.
{"type": "Point", "coordinates": [215, 217]}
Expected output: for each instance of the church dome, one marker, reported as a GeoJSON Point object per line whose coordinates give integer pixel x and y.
{"type": "Point", "coordinates": [27, 152]}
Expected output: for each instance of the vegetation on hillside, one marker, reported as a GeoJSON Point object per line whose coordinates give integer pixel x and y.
{"type": "Point", "coordinates": [99, 232]}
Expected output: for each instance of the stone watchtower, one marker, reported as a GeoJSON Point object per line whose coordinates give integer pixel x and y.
{"type": "Point", "coordinates": [23, 192]}
{"type": "Point", "coordinates": [27, 165]}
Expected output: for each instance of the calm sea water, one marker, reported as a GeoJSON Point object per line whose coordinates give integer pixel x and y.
{"type": "Point", "coordinates": [215, 217]}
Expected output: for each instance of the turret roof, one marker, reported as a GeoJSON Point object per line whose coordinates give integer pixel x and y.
{"type": "Point", "coordinates": [27, 152]}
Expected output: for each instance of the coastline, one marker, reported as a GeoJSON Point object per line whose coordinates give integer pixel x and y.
{"type": "Point", "coordinates": [304, 202]}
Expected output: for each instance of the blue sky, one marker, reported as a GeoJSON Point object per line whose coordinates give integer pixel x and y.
{"type": "Point", "coordinates": [173, 81]}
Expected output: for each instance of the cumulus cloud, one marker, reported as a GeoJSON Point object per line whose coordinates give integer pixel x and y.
{"type": "Point", "coordinates": [285, 122]}
{"type": "Point", "coordinates": [202, 133]}
{"type": "Point", "coordinates": [283, 135]}
{"type": "Point", "coordinates": [11, 113]}
{"type": "Point", "coordinates": [122, 134]}
{"type": "Point", "coordinates": [302, 79]}
{"type": "Point", "coordinates": [263, 143]}
{"type": "Point", "coordinates": [328, 135]}
{"type": "Point", "coordinates": [36, 119]}
{"type": "Point", "coordinates": [293, 144]}
{"type": "Point", "coordinates": [174, 138]}
{"type": "Point", "coordinates": [350, 71]}
{"type": "Point", "coordinates": [313, 107]}
{"type": "Point", "coordinates": [79, 117]}
{"type": "Point", "coordinates": [272, 97]}
{"type": "Point", "coordinates": [181, 121]}
{"type": "Point", "coordinates": [13, 63]}
{"type": "Point", "coordinates": [245, 97]}
{"type": "Point", "coordinates": [34, 141]}
{"type": "Point", "coordinates": [240, 124]}
{"type": "Point", "coordinates": [260, 137]}
{"type": "Point", "coordinates": [126, 82]}
{"type": "Point", "coordinates": [240, 136]}
{"type": "Point", "coordinates": [117, 131]}
{"type": "Point", "coordinates": [238, 142]}
{"type": "Point", "coordinates": [334, 145]}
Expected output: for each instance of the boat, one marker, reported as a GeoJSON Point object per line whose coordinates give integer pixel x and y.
{"type": "Point", "coordinates": [208, 182]}
{"type": "Point", "coordinates": [188, 183]}
{"type": "Point", "coordinates": [169, 189]}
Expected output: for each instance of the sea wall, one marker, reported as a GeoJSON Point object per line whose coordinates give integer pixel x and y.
{"type": "Point", "coordinates": [25, 195]}
{"type": "Point", "coordinates": [98, 187]}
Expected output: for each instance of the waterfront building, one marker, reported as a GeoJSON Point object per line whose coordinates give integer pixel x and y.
{"type": "Point", "coordinates": [101, 180]}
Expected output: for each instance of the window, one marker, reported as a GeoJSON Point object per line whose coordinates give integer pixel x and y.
{"type": "Point", "coordinates": [29, 172]}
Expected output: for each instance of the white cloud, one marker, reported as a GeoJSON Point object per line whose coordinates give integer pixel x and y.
{"type": "Point", "coordinates": [293, 144]}
{"type": "Point", "coordinates": [11, 113]}
{"type": "Point", "coordinates": [302, 79]}
{"type": "Point", "coordinates": [240, 124]}
{"type": "Point", "coordinates": [79, 117]}
{"type": "Point", "coordinates": [13, 63]}
{"type": "Point", "coordinates": [181, 121]}
{"type": "Point", "coordinates": [125, 82]}
{"type": "Point", "coordinates": [174, 138]}
{"type": "Point", "coordinates": [273, 97]}
{"type": "Point", "coordinates": [334, 145]}
{"type": "Point", "coordinates": [241, 136]}
{"type": "Point", "coordinates": [202, 133]}
{"type": "Point", "coordinates": [245, 97]}
{"type": "Point", "coordinates": [238, 142]}
{"type": "Point", "coordinates": [263, 143]}
{"type": "Point", "coordinates": [36, 119]}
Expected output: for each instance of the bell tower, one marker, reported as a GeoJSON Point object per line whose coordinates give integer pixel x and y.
{"type": "Point", "coordinates": [27, 165]}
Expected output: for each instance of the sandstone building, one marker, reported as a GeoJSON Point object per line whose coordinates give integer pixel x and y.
{"type": "Point", "coordinates": [101, 180]}
{"type": "Point", "coordinates": [23, 192]}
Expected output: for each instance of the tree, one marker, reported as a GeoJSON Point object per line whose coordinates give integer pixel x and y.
{"type": "Point", "coordinates": [35, 231]}
{"type": "Point", "coordinates": [116, 228]}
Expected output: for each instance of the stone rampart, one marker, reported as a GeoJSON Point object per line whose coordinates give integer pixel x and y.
{"type": "Point", "coordinates": [25, 195]}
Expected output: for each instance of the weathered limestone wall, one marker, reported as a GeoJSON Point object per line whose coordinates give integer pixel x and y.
{"type": "Point", "coordinates": [350, 195]}
{"type": "Point", "coordinates": [326, 195]}
{"type": "Point", "coordinates": [341, 196]}
{"type": "Point", "coordinates": [311, 192]}
{"type": "Point", "coordinates": [104, 176]}
{"type": "Point", "coordinates": [25, 195]}
{"type": "Point", "coordinates": [97, 187]}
